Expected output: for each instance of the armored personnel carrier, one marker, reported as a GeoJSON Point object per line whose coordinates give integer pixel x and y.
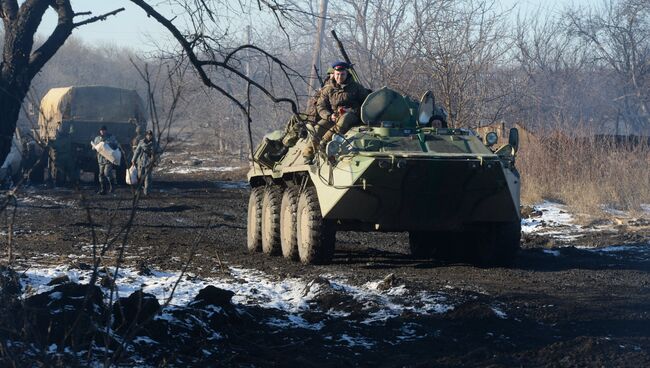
{"type": "Point", "coordinates": [76, 114]}
{"type": "Point", "coordinates": [455, 193]}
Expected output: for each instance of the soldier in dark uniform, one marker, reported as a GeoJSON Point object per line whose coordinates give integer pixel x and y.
{"type": "Point", "coordinates": [144, 158]}
{"type": "Point", "coordinates": [106, 180]}
{"type": "Point", "coordinates": [338, 107]}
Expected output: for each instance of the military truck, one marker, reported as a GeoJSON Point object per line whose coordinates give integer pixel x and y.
{"type": "Point", "coordinates": [455, 193]}
{"type": "Point", "coordinates": [76, 113]}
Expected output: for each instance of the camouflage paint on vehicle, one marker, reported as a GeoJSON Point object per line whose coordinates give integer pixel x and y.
{"type": "Point", "coordinates": [397, 174]}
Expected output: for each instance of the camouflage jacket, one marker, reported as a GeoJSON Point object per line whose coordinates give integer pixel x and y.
{"type": "Point", "coordinates": [144, 153]}
{"type": "Point", "coordinates": [334, 95]}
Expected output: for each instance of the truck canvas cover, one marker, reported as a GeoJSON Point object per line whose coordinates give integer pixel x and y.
{"type": "Point", "coordinates": [90, 104]}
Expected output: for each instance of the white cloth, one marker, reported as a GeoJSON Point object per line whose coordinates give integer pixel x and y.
{"type": "Point", "coordinates": [112, 155]}
{"type": "Point", "coordinates": [132, 175]}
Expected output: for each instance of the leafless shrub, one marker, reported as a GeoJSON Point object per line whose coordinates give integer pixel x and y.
{"type": "Point", "coordinates": [587, 172]}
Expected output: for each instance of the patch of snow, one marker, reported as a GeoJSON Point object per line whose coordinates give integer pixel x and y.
{"type": "Point", "coordinates": [232, 184]}
{"type": "Point", "coordinates": [553, 215]}
{"type": "Point", "coordinates": [144, 340]}
{"type": "Point", "coordinates": [45, 200]}
{"type": "Point", "coordinates": [352, 341]}
{"type": "Point", "coordinates": [293, 297]}
{"type": "Point", "coordinates": [191, 170]}
{"type": "Point", "coordinates": [499, 313]}
{"type": "Point", "coordinates": [613, 211]}
{"type": "Point", "coordinates": [552, 252]}
{"type": "Point", "coordinates": [645, 207]}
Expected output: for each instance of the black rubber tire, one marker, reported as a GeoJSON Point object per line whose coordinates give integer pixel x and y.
{"type": "Point", "coordinates": [254, 226]}
{"type": "Point", "coordinates": [288, 221]}
{"type": "Point", "coordinates": [420, 244]}
{"type": "Point", "coordinates": [497, 244]}
{"type": "Point", "coordinates": [316, 236]}
{"type": "Point", "coordinates": [441, 245]}
{"type": "Point", "coordinates": [271, 220]}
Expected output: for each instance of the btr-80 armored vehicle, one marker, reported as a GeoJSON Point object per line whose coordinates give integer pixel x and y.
{"type": "Point", "coordinates": [456, 195]}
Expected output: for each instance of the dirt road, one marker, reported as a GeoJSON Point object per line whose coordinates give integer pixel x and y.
{"type": "Point", "coordinates": [560, 306]}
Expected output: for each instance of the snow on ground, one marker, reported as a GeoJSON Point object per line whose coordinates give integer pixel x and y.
{"type": "Point", "coordinates": [645, 207]}
{"type": "Point", "coordinates": [554, 216]}
{"type": "Point", "coordinates": [195, 169]}
{"type": "Point", "coordinates": [31, 198]}
{"type": "Point", "coordinates": [293, 296]}
{"type": "Point", "coordinates": [557, 223]}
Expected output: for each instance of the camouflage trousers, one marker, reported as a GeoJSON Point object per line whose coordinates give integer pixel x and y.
{"type": "Point", "coordinates": [325, 129]}
{"type": "Point", "coordinates": [106, 175]}
{"type": "Point", "coordinates": [145, 178]}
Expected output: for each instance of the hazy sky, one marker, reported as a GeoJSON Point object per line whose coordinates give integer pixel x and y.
{"type": "Point", "coordinates": [131, 28]}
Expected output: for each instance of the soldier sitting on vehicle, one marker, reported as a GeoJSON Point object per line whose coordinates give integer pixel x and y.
{"type": "Point", "coordinates": [338, 108]}
{"type": "Point", "coordinates": [295, 125]}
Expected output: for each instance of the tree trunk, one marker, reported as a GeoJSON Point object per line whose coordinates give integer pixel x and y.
{"type": "Point", "coordinates": [11, 99]}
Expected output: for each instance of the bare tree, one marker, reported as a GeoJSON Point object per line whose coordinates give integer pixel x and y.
{"type": "Point", "coordinates": [20, 61]}
{"type": "Point", "coordinates": [463, 52]}
{"type": "Point", "coordinates": [618, 35]}
{"type": "Point", "coordinates": [383, 36]}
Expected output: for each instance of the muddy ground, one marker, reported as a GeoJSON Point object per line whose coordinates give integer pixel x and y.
{"type": "Point", "coordinates": [558, 306]}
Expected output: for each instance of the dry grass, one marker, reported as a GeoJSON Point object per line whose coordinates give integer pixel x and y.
{"type": "Point", "coordinates": [586, 173]}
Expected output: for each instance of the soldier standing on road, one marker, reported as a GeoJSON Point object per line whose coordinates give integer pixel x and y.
{"type": "Point", "coordinates": [144, 158]}
{"type": "Point", "coordinates": [106, 181]}
{"type": "Point", "coordinates": [338, 108]}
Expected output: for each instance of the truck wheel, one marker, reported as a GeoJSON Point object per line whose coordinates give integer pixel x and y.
{"type": "Point", "coordinates": [497, 244]}
{"type": "Point", "coordinates": [288, 209]}
{"type": "Point", "coordinates": [271, 220]}
{"type": "Point", "coordinates": [316, 236]}
{"type": "Point", "coordinates": [254, 241]}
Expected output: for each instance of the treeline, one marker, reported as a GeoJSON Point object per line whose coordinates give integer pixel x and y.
{"type": "Point", "coordinates": [581, 71]}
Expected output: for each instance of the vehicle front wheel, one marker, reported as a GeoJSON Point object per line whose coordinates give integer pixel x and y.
{"type": "Point", "coordinates": [254, 225]}
{"type": "Point", "coordinates": [316, 236]}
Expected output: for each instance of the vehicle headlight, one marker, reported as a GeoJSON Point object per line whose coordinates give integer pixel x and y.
{"type": "Point", "coordinates": [491, 138]}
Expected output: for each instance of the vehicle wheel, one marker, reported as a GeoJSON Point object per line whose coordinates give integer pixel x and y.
{"type": "Point", "coordinates": [441, 245]}
{"type": "Point", "coordinates": [288, 220]}
{"type": "Point", "coordinates": [271, 220]}
{"type": "Point", "coordinates": [420, 244]}
{"type": "Point", "coordinates": [316, 236]}
{"type": "Point", "coordinates": [497, 243]}
{"type": "Point", "coordinates": [254, 241]}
